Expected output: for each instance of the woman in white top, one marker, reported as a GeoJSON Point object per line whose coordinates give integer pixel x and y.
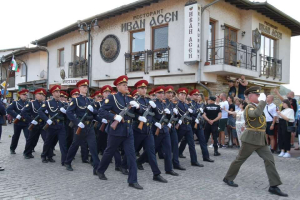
{"type": "Point", "coordinates": [286, 118]}
{"type": "Point", "coordinates": [240, 120]}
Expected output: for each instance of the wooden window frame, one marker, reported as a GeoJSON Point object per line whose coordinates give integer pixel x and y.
{"type": "Point", "coordinates": [152, 35]}
{"type": "Point", "coordinates": [74, 45]}
{"type": "Point", "coordinates": [131, 34]}
{"type": "Point", "coordinates": [275, 45]}
{"type": "Point", "coordinates": [59, 50]}
{"type": "Point", "coordinates": [213, 39]}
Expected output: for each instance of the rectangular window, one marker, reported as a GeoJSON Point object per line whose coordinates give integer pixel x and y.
{"type": "Point", "coordinates": [268, 46]}
{"type": "Point", "coordinates": [23, 69]}
{"type": "Point", "coordinates": [79, 67]}
{"type": "Point", "coordinates": [137, 49]}
{"type": "Point", "coordinates": [61, 57]}
{"type": "Point", "coordinates": [160, 46]}
{"type": "Point", "coordinates": [230, 42]}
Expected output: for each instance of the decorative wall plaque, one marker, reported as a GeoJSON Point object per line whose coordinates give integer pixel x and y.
{"type": "Point", "coordinates": [110, 48]}
{"type": "Point", "coordinates": [256, 39]}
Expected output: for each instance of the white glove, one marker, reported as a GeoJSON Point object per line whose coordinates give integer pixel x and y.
{"type": "Point", "coordinates": [4, 100]}
{"type": "Point", "coordinates": [201, 110]}
{"type": "Point", "coordinates": [18, 116]}
{"type": "Point", "coordinates": [152, 104]}
{"type": "Point", "coordinates": [175, 110]}
{"type": "Point", "coordinates": [90, 108]}
{"type": "Point", "coordinates": [167, 111]}
{"type": "Point", "coordinates": [262, 97]}
{"type": "Point", "coordinates": [179, 122]}
{"type": "Point", "coordinates": [190, 110]}
{"type": "Point", "coordinates": [49, 121]}
{"type": "Point", "coordinates": [63, 110]}
{"type": "Point", "coordinates": [46, 111]}
{"type": "Point", "coordinates": [104, 121]}
{"type": "Point", "coordinates": [81, 125]}
{"type": "Point", "coordinates": [34, 122]}
{"type": "Point", "coordinates": [142, 119]}
{"type": "Point", "coordinates": [169, 125]}
{"type": "Point", "coordinates": [134, 104]}
{"type": "Point", "coordinates": [118, 118]}
{"type": "Point", "coordinates": [197, 121]}
{"type": "Point", "coordinates": [158, 125]}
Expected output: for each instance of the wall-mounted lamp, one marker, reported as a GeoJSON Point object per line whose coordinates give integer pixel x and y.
{"type": "Point", "coordinates": [180, 69]}
{"type": "Point", "coordinates": [223, 27]}
{"type": "Point", "coordinates": [243, 33]}
{"type": "Point", "coordinates": [107, 75]}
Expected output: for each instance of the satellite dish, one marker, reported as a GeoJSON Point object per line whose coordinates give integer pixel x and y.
{"type": "Point", "coordinates": [62, 74]}
{"type": "Point", "coordinates": [42, 74]}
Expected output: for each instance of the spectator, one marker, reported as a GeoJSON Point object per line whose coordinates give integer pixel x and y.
{"type": "Point", "coordinates": [217, 99]}
{"type": "Point", "coordinates": [231, 130]}
{"type": "Point", "coordinates": [237, 103]}
{"type": "Point", "coordinates": [232, 89]}
{"type": "Point", "coordinates": [286, 118]}
{"type": "Point", "coordinates": [271, 114]}
{"type": "Point", "coordinates": [294, 106]}
{"type": "Point", "coordinates": [241, 83]}
{"type": "Point", "coordinates": [223, 121]}
{"type": "Point", "coordinates": [240, 120]}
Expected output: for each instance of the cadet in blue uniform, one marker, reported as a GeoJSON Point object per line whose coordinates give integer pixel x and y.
{"type": "Point", "coordinates": [2, 116]}
{"type": "Point", "coordinates": [14, 110]}
{"type": "Point", "coordinates": [169, 93]}
{"type": "Point", "coordinates": [96, 105]}
{"type": "Point", "coordinates": [123, 134]}
{"type": "Point", "coordinates": [185, 128]}
{"type": "Point", "coordinates": [163, 139]}
{"type": "Point", "coordinates": [54, 109]}
{"type": "Point", "coordinates": [199, 130]}
{"type": "Point", "coordinates": [143, 137]}
{"type": "Point", "coordinates": [82, 114]}
{"type": "Point", "coordinates": [30, 112]}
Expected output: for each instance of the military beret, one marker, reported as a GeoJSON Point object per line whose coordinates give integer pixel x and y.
{"type": "Point", "coordinates": [83, 82]}
{"type": "Point", "coordinates": [253, 90]}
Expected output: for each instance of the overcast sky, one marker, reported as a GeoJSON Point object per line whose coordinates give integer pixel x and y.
{"type": "Point", "coordinates": [25, 21]}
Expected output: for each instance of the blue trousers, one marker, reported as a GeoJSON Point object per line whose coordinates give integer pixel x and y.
{"type": "Point", "coordinates": [33, 139]}
{"type": "Point", "coordinates": [174, 144]}
{"type": "Point", "coordinates": [87, 136]}
{"type": "Point", "coordinates": [113, 143]}
{"type": "Point", "coordinates": [203, 145]}
{"type": "Point", "coordinates": [186, 131]}
{"type": "Point", "coordinates": [147, 141]}
{"type": "Point", "coordinates": [16, 136]}
{"type": "Point", "coordinates": [51, 133]}
{"type": "Point", "coordinates": [163, 140]}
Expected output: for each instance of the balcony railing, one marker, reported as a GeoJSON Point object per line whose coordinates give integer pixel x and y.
{"type": "Point", "coordinates": [78, 69]}
{"type": "Point", "coordinates": [147, 60]}
{"type": "Point", "coordinates": [228, 52]}
{"type": "Point", "coordinates": [270, 67]}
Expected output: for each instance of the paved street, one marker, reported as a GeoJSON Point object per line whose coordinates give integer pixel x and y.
{"type": "Point", "coordinates": [32, 179]}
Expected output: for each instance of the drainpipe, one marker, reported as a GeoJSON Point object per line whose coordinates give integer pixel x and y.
{"type": "Point", "coordinates": [199, 67]}
{"type": "Point", "coordinates": [44, 48]}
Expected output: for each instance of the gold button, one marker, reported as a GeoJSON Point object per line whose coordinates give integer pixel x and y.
{"type": "Point", "coordinates": [188, 123]}
{"type": "Point", "coordinates": [40, 120]}
{"type": "Point", "coordinates": [147, 124]}
{"type": "Point", "coordinates": [88, 122]}
{"type": "Point", "coordinates": [57, 120]}
{"type": "Point", "coordinates": [128, 121]}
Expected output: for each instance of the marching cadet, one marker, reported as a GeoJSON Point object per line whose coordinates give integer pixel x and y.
{"type": "Point", "coordinates": [70, 131]}
{"type": "Point", "coordinates": [141, 129]}
{"type": "Point", "coordinates": [169, 94]}
{"type": "Point", "coordinates": [82, 114]}
{"type": "Point", "coordinates": [55, 110]}
{"type": "Point", "coordinates": [198, 129]}
{"type": "Point", "coordinates": [20, 124]}
{"type": "Point", "coordinates": [30, 113]}
{"type": "Point", "coordinates": [254, 139]}
{"type": "Point", "coordinates": [161, 131]}
{"type": "Point", "coordinates": [185, 128]}
{"type": "Point", "coordinates": [121, 133]}
{"type": "Point", "coordinates": [96, 105]}
{"type": "Point", "coordinates": [212, 115]}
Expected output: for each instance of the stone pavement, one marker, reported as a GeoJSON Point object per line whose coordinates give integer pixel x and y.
{"type": "Point", "coordinates": [32, 179]}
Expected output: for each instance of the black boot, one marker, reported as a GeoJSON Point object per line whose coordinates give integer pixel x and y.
{"type": "Point", "coordinates": [277, 191]}
{"type": "Point", "coordinates": [159, 178]}
{"type": "Point", "coordinates": [68, 167]}
{"type": "Point", "coordinates": [44, 160]}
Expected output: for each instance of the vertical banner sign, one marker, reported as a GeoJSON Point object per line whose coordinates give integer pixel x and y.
{"type": "Point", "coordinates": [192, 33]}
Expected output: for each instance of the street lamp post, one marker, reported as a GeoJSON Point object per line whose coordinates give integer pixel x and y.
{"type": "Point", "coordinates": [84, 27]}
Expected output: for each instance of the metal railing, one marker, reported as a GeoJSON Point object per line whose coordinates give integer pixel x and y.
{"type": "Point", "coordinates": [270, 67]}
{"type": "Point", "coordinates": [78, 69]}
{"type": "Point", "coordinates": [228, 52]}
{"type": "Point", "coordinates": [147, 60]}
